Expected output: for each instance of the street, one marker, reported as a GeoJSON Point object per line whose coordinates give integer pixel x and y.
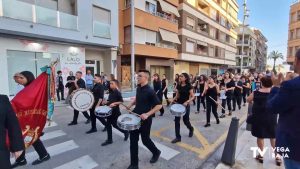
{"type": "Point", "coordinates": [70, 147]}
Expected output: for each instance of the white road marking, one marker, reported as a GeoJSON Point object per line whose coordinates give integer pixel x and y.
{"type": "Point", "coordinates": [52, 124]}
{"type": "Point", "coordinates": [52, 134]}
{"type": "Point", "coordinates": [85, 162]}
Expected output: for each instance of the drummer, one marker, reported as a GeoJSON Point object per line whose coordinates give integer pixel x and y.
{"type": "Point", "coordinates": [79, 84]}
{"type": "Point", "coordinates": [184, 95]}
{"type": "Point", "coordinates": [98, 92]}
{"type": "Point", "coordinates": [114, 100]}
{"type": "Point", "coordinates": [146, 104]}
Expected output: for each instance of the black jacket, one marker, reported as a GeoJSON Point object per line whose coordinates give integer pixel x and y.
{"type": "Point", "coordinates": [10, 124]}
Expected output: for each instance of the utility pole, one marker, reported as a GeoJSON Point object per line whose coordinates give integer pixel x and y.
{"type": "Point", "coordinates": [243, 33]}
{"type": "Point", "coordinates": [132, 45]}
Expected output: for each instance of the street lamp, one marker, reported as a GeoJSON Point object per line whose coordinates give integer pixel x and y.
{"type": "Point", "coordinates": [246, 14]}
{"type": "Point", "coordinates": [132, 45]}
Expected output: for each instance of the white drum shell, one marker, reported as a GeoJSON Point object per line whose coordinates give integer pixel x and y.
{"type": "Point", "coordinates": [82, 100]}
{"type": "Point", "coordinates": [129, 122]}
{"type": "Point", "coordinates": [103, 111]}
{"type": "Point", "coordinates": [178, 110]}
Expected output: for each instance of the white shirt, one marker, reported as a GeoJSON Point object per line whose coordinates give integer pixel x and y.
{"type": "Point", "coordinates": [223, 94]}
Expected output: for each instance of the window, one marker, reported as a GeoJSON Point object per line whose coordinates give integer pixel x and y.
{"type": "Point", "coordinates": [222, 36]}
{"type": "Point", "coordinates": [151, 37]}
{"type": "Point", "coordinates": [190, 23]}
{"type": "Point", "coordinates": [212, 32]}
{"type": "Point", "coordinates": [127, 34]}
{"type": "Point", "coordinates": [101, 22]}
{"type": "Point", "coordinates": [298, 15]}
{"type": "Point", "coordinates": [127, 3]}
{"type": "Point", "coordinates": [222, 21]}
{"type": "Point", "coordinates": [292, 35]}
{"type": "Point", "coordinates": [297, 33]}
{"type": "Point", "coordinates": [211, 51]}
{"type": "Point", "coordinates": [201, 49]}
{"type": "Point", "coordinates": [190, 46]}
{"type": "Point", "coordinates": [293, 17]}
{"type": "Point", "coordinates": [213, 14]}
{"type": "Point", "coordinates": [151, 8]}
{"type": "Point", "coordinates": [222, 52]}
{"type": "Point", "coordinates": [51, 4]}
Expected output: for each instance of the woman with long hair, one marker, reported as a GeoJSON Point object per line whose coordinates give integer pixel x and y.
{"type": "Point", "coordinates": [26, 77]}
{"type": "Point", "coordinates": [211, 91]}
{"type": "Point", "coordinates": [229, 88]}
{"type": "Point", "coordinates": [184, 95]}
{"type": "Point", "coordinates": [199, 86]}
{"type": "Point", "coordinates": [176, 82]}
{"type": "Point", "coordinates": [158, 90]}
{"type": "Point", "coordinates": [165, 84]}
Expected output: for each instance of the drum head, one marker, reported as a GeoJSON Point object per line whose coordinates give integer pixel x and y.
{"type": "Point", "coordinates": [197, 94]}
{"type": "Point", "coordinates": [177, 108]}
{"type": "Point", "coordinates": [129, 119]}
{"type": "Point", "coordinates": [103, 109]}
{"type": "Point", "coordinates": [82, 100]}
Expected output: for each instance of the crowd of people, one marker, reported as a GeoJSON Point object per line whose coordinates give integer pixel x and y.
{"type": "Point", "coordinates": [268, 94]}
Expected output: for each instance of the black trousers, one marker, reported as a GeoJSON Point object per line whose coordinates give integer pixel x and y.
{"type": "Point", "coordinates": [160, 97]}
{"type": "Point", "coordinates": [211, 106]}
{"type": "Point", "coordinates": [237, 100]}
{"type": "Point", "coordinates": [94, 117]}
{"type": "Point", "coordinates": [245, 95]}
{"type": "Point", "coordinates": [202, 100]}
{"type": "Point", "coordinates": [61, 91]}
{"type": "Point", "coordinates": [38, 147]}
{"type": "Point", "coordinates": [223, 105]}
{"type": "Point", "coordinates": [165, 94]}
{"type": "Point", "coordinates": [229, 100]}
{"type": "Point", "coordinates": [144, 130]}
{"type": "Point", "coordinates": [112, 121]}
{"type": "Point", "coordinates": [4, 159]}
{"type": "Point", "coordinates": [186, 121]}
{"type": "Point", "coordinates": [76, 113]}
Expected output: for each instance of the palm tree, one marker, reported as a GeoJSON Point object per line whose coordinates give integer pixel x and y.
{"type": "Point", "coordinates": [275, 55]}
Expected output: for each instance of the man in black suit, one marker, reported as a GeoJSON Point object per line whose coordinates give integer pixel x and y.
{"type": "Point", "coordinates": [9, 123]}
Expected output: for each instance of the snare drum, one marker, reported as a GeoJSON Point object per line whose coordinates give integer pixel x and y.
{"type": "Point", "coordinates": [103, 111]}
{"type": "Point", "coordinates": [82, 100]}
{"type": "Point", "coordinates": [129, 122]}
{"type": "Point", "coordinates": [197, 94]}
{"type": "Point", "coordinates": [177, 110]}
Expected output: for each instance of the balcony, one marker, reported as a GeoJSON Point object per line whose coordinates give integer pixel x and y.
{"type": "Point", "coordinates": [32, 13]}
{"type": "Point", "coordinates": [162, 15]}
{"type": "Point", "coordinates": [101, 30]}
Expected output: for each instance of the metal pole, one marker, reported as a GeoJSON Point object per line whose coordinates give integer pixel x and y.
{"type": "Point", "coordinates": [243, 35]}
{"type": "Point", "coordinates": [132, 45]}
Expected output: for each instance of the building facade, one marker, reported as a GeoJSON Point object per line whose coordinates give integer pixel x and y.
{"type": "Point", "coordinates": [261, 51]}
{"type": "Point", "coordinates": [155, 37]}
{"type": "Point", "coordinates": [81, 34]}
{"type": "Point", "coordinates": [294, 32]}
{"type": "Point", "coordinates": [207, 35]}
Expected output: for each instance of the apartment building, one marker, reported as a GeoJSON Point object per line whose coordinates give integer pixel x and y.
{"type": "Point", "coordinates": [261, 51]}
{"type": "Point", "coordinates": [81, 34]}
{"type": "Point", "coordinates": [207, 35]}
{"type": "Point", "coordinates": [294, 32]}
{"type": "Point", "coordinates": [156, 37]}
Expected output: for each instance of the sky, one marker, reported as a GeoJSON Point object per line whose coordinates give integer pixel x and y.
{"type": "Point", "coordinates": [272, 18]}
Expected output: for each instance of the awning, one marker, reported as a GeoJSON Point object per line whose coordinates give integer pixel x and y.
{"type": "Point", "coordinates": [169, 36]}
{"type": "Point", "coordinates": [166, 7]}
{"type": "Point", "coordinates": [201, 43]}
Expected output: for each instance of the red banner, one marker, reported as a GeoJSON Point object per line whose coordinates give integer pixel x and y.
{"type": "Point", "coordinates": [31, 106]}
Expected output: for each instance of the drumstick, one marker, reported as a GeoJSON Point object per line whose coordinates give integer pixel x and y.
{"type": "Point", "coordinates": [217, 103]}
{"type": "Point", "coordinates": [130, 110]}
{"type": "Point", "coordinates": [157, 92]}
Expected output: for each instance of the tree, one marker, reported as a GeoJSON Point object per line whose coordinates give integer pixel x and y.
{"type": "Point", "coordinates": [274, 55]}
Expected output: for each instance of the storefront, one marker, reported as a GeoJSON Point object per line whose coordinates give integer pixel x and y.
{"type": "Point", "coordinates": [18, 55]}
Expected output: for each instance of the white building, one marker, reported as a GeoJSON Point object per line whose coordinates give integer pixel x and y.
{"type": "Point", "coordinates": [83, 34]}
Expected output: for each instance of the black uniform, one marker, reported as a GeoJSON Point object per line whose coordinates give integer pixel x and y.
{"type": "Point", "coordinates": [98, 92]}
{"type": "Point", "coordinates": [158, 89]}
{"type": "Point", "coordinates": [60, 88]}
{"type": "Point", "coordinates": [184, 95]}
{"type": "Point", "coordinates": [164, 84]}
{"type": "Point", "coordinates": [146, 99]}
{"type": "Point", "coordinates": [211, 105]}
{"type": "Point", "coordinates": [237, 98]}
{"type": "Point", "coordinates": [245, 91]}
{"type": "Point", "coordinates": [200, 89]}
{"type": "Point", "coordinates": [114, 96]}
{"type": "Point", "coordinates": [229, 93]}
{"type": "Point", "coordinates": [81, 84]}
{"type": "Point", "coordinates": [9, 124]}
{"type": "Point", "coordinates": [70, 85]}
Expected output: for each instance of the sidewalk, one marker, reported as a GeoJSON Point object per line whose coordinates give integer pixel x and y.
{"type": "Point", "coordinates": [244, 156]}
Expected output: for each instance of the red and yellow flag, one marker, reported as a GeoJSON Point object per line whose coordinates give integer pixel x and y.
{"type": "Point", "coordinates": [31, 106]}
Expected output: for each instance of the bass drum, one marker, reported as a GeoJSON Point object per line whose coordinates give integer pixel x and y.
{"type": "Point", "coordinates": [82, 100]}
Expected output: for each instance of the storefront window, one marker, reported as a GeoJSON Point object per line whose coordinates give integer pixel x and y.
{"type": "Point", "coordinates": [18, 61]}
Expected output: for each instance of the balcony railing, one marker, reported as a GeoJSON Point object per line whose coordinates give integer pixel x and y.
{"type": "Point", "coordinates": [101, 30]}
{"type": "Point", "coordinates": [37, 14]}
{"type": "Point", "coordinates": [163, 45]}
{"type": "Point", "coordinates": [245, 42]}
{"type": "Point", "coordinates": [161, 15]}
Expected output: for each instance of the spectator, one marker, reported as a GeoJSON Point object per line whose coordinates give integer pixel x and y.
{"type": "Point", "coordinates": [70, 85]}
{"type": "Point", "coordinates": [59, 86]}
{"type": "Point", "coordinates": [263, 120]}
{"type": "Point", "coordinates": [284, 100]}
{"type": "Point", "coordinates": [89, 80]}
